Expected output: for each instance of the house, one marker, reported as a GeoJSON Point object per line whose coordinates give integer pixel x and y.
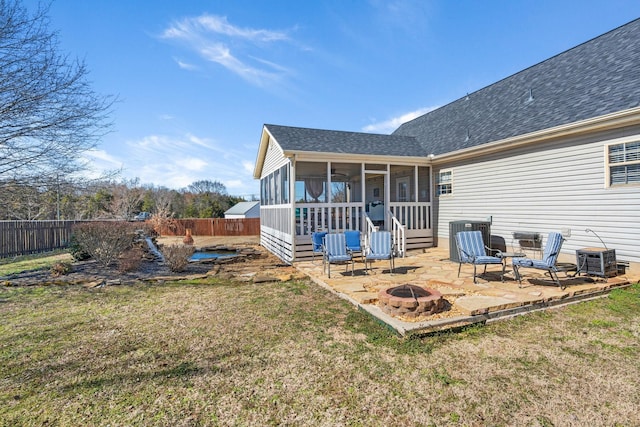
{"type": "Point", "coordinates": [555, 147]}
{"type": "Point", "coordinates": [243, 210]}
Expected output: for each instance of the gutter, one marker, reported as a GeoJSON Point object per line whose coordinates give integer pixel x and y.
{"type": "Point", "coordinates": [366, 158]}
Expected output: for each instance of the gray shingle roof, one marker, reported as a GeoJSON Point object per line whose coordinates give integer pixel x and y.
{"type": "Point", "coordinates": [595, 78]}
{"type": "Point", "coordinates": [332, 141]}
{"type": "Point", "coordinates": [241, 208]}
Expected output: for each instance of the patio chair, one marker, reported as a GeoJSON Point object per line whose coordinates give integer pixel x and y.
{"type": "Point", "coordinates": [335, 252]}
{"type": "Point", "coordinates": [380, 248]}
{"type": "Point", "coordinates": [472, 250]}
{"type": "Point", "coordinates": [548, 261]}
{"type": "Point", "coordinates": [317, 239]}
{"type": "Point", "coordinates": [354, 244]}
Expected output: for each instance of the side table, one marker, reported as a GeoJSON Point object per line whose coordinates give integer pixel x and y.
{"type": "Point", "coordinates": [505, 255]}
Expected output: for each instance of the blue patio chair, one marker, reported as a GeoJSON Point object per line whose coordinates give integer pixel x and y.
{"type": "Point", "coordinates": [472, 250]}
{"type": "Point", "coordinates": [317, 239]}
{"type": "Point", "coordinates": [380, 248]}
{"type": "Point", "coordinates": [354, 245]}
{"type": "Point", "coordinates": [335, 252]}
{"type": "Point", "coordinates": [548, 261]}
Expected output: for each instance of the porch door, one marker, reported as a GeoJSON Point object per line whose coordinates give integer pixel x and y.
{"type": "Point", "coordinates": [376, 197]}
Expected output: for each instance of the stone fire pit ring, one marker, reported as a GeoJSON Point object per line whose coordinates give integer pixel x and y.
{"type": "Point", "coordinates": [410, 301]}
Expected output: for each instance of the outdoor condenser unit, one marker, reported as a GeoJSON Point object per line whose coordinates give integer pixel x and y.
{"type": "Point", "coordinates": [456, 226]}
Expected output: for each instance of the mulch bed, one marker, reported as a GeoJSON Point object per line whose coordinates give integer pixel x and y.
{"type": "Point", "coordinates": [251, 264]}
{"type": "Point", "coordinates": [92, 273]}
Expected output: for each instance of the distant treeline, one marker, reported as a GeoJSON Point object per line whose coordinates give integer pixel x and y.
{"type": "Point", "coordinates": [61, 199]}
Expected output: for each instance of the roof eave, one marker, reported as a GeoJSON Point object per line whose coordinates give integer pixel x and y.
{"type": "Point", "coordinates": [262, 152]}
{"type": "Point", "coordinates": [352, 157]}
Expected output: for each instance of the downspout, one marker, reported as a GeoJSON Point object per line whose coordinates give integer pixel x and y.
{"type": "Point", "coordinates": [363, 197]}
{"type": "Point", "coordinates": [432, 198]}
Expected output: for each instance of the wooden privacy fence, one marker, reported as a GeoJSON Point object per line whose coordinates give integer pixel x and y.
{"type": "Point", "coordinates": [29, 237]}
{"type": "Point", "coordinates": [212, 227]}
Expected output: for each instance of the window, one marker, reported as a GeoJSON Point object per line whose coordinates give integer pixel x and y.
{"type": "Point", "coordinates": [444, 182]}
{"type": "Point", "coordinates": [624, 163]}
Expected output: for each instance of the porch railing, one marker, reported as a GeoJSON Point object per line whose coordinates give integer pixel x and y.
{"type": "Point", "coordinates": [397, 235]}
{"type": "Point", "coordinates": [312, 217]}
{"type": "Point", "coordinates": [334, 217]}
{"type": "Point", "coordinates": [370, 228]}
{"type": "Point", "coordinates": [413, 216]}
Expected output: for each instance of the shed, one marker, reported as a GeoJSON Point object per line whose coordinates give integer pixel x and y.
{"type": "Point", "coordinates": [243, 210]}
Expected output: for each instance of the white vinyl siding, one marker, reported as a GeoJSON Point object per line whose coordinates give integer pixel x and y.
{"type": "Point", "coordinates": [547, 189]}
{"type": "Point", "coordinates": [274, 159]}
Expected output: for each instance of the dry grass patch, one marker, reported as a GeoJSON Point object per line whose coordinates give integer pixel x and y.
{"type": "Point", "coordinates": [223, 353]}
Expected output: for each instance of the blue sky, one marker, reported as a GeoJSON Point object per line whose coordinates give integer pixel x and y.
{"type": "Point", "coordinates": [197, 80]}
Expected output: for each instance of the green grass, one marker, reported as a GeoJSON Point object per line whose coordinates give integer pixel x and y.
{"type": "Point", "coordinates": [25, 263]}
{"type": "Point", "coordinates": [225, 353]}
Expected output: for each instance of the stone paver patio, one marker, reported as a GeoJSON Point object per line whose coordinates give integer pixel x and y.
{"type": "Point", "coordinates": [469, 302]}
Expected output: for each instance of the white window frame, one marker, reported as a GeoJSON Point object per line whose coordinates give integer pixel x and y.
{"type": "Point", "coordinates": [440, 184]}
{"type": "Point", "coordinates": [626, 157]}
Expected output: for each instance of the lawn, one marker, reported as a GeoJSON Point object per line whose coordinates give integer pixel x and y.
{"type": "Point", "coordinates": [290, 353]}
{"type": "Point", "coordinates": [32, 262]}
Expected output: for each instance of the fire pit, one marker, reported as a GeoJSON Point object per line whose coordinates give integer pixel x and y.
{"type": "Point", "coordinates": [410, 301]}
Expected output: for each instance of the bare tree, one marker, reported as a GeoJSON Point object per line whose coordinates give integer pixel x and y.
{"type": "Point", "coordinates": [163, 198]}
{"type": "Point", "coordinates": [127, 198]}
{"type": "Point", "coordinates": [49, 115]}
{"type": "Point", "coordinates": [207, 187]}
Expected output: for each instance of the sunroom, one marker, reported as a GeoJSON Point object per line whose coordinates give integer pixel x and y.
{"type": "Point", "coordinates": [303, 191]}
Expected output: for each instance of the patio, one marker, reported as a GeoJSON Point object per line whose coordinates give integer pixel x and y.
{"type": "Point", "coordinates": [488, 300]}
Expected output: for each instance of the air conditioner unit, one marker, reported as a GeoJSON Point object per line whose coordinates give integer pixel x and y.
{"type": "Point", "coordinates": [467, 225]}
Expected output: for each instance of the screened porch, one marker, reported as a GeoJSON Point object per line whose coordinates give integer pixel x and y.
{"type": "Point", "coordinates": [302, 197]}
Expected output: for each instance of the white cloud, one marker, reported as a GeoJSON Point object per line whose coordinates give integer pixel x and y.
{"type": "Point", "coordinates": [211, 36]}
{"type": "Point", "coordinates": [233, 184]}
{"type": "Point", "coordinates": [100, 163]}
{"type": "Point", "coordinates": [393, 123]}
{"type": "Point", "coordinates": [220, 25]}
{"type": "Point", "coordinates": [248, 166]}
{"type": "Point", "coordinates": [102, 156]}
{"type": "Point", "coordinates": [185, 65]}
{"type": "Point", "coordinates": [177, 161]}
{"type": "Point", "coordinates": [191, 163]}
{"type": "Point", "coordinates": [202, 142]}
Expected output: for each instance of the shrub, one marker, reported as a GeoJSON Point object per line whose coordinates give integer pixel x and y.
{"type": "Point", "coordinates": [130, 260]}
{"type": "Point", "coordinates": [105, 241]}
{"type": "Point", "coordinates": [76, 250]}
{"type": "Point", "coordinates": [61, 268]}
{"type": "Point", "coordinates": [177, 256]}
